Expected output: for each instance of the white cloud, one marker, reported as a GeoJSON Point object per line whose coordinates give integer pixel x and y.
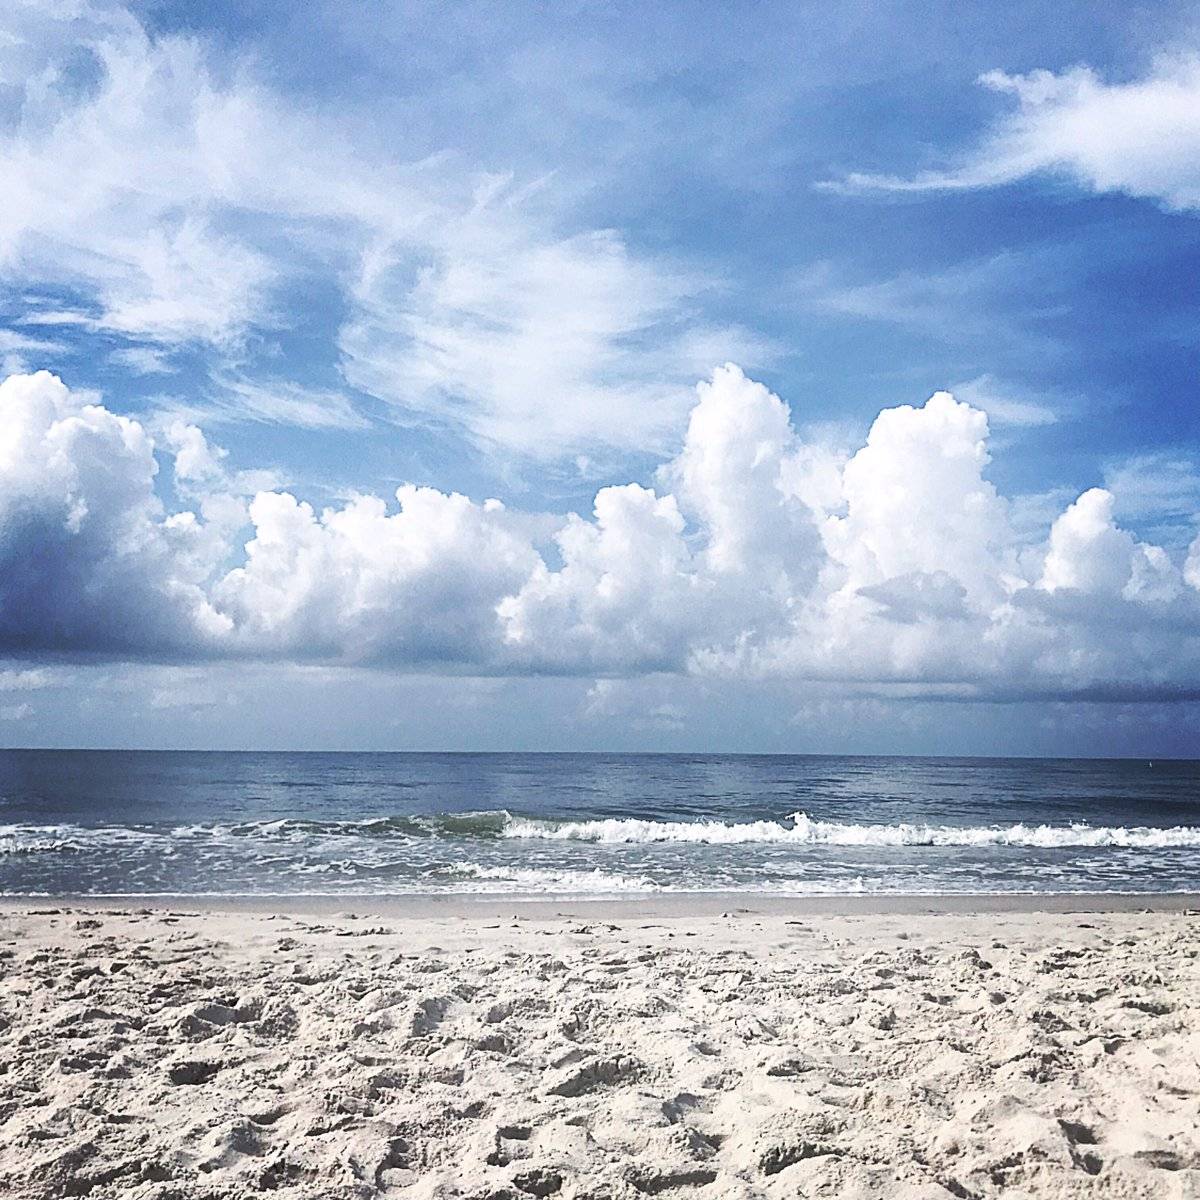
{"type": "Point", "coordinates": [196, 460]}
{"type": "Point", "coordinates": [627, 596]}
{"type": "Point", "coordinates": [418, 585]}
{"type": "Point", "coordinates": [1140, 137]}
{"type": "Point", "coordinates": [1006, 405]}
{"type": "Point", "coordinates": [89, 561]}
{"type": "Point", "coordinates": [203, 479]}
{"type": "Point", "coordinates": [628, 702]}
{"type": "Point", "coordinates": [994, 302]}
{"type": "Point", "coordinates": [737, 475]}
{"type": "Point", "coordinates": [12, 342]}
{"type": "Point", "coordinates": [918, 502]}
{"type": "Point", "coordinates": [188, 689]}
{"type": "Point", "coordinates": [758, 555]}
{"type": "Point", "coordinates": [67, 318]}
{"type": "Point", "coordinates": [201, 207]}
{"type": "Point", "coordinates": [529, 340]}
{"type": "Point", "coordinates": [142, 360]}
{"type": "Point", "coordinates": [149, 254]}
{"type": "Point", "coordinates": [1160, 486]}
{"type": "Point", "coordinates": [1087, 552]}
{"type": "Point", "coordinates": [1191, 566]}
{"type": "Point", "coordinates": [28, 679]}
{"type": "Point", "coordinates": [723, 557]}
{"type": "Point", "coordinates": [279, 402]}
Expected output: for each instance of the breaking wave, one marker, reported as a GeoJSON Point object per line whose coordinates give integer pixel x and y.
{"type": "Point", "coordinates": [13, 844]}
{"type": "Point", "coordinates": [504, 878]}
{"type": "Point", "coordinates": [800, 829]}
{"type": "Point", "coordinates": [797, 829]}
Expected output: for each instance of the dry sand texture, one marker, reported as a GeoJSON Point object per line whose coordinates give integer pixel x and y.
{"type": "Point", "coordinates": [185, 1056]}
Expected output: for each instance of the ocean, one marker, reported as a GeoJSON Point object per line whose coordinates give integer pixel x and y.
{"type": "Point", "coordinates": [216, 823]}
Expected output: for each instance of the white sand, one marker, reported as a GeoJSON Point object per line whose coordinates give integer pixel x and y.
{"type": "Point", "coordinates": [220, 1055]}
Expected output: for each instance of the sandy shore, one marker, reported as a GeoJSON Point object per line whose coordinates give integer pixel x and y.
{"type": "Point", "coordinates": [171, 1053]}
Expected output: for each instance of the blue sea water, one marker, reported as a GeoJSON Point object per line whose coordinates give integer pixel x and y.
{"type": "Point", "coordinates": [145, 822]}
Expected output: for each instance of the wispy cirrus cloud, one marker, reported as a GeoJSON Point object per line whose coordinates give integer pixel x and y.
{"type": "Point", "coordinates": [1160, 491]}
{"type": "Point", "coordinates": [143, 360]}
{"type": "Point", "coordinates": [241, 397]}
{"type": "Point", "coordinates": [15, 341]}
{"type": "Point", "coordinates": [1002, 301]}
{"type": "Point", "coordinates": [203, 205]}
{"type": "Point", "coordinates": [1009, 405]}
{"type": "Point", "coordinates": [1139, 136]}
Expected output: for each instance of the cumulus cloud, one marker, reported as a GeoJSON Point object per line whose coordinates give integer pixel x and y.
{"type": "Point", "coordinates": [1087, 552]}
{"type": "Point", "coordinates": [89, 560]}
{"type": "Point", "coordinates": [719, 561]}
{"type": "Point", "coordinates": [918, 502]}
{"type": "Point", "coordinates": [415, 586]}
{"type": "Point", "coordinates": [740, 476]}
{"type": "Point", "coordinates": [1140, 137]}
{"type": "Point", "coordinates": [626, 597]}
{"type": "Point", "coordinates": [755, 555]}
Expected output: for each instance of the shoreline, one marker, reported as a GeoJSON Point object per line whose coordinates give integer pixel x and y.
{"type": "Point", "coordinates": [672, 906]}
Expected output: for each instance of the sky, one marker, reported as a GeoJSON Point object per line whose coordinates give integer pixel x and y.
{"type": "Point", "coordinates": [775, 378]}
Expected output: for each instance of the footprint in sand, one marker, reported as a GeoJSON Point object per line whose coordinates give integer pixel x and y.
{"type": "Point", "coordinates": [597, 1073]}
{"type": "Point", "coordinates": [192, 1072]}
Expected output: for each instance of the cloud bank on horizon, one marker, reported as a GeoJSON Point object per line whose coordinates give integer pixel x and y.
{"type": "Point", "coordinates": [757, 554]}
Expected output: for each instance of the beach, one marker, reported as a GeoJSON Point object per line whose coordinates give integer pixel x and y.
{"type": "Point", "coordinates": [179, 1049]}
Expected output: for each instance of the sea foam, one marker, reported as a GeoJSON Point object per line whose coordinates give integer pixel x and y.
{"type": "Point", "coordinates": [800, 829]}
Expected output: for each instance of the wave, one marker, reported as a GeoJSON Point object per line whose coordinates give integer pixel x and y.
{"type": "Point", "coordinates": [21, 839]}
{"type": "Point", "coordinates": [507, 878]}
{"type": "Point", "coordinates": [12, 844]}
{"type": "Point", "coordinates": [801, 829]}
{"type": "Point", "coordinates": [797, 829]}
{"type": "Point", "coordinates": [488, 823]}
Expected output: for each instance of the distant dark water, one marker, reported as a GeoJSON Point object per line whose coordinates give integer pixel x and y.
{"type": "Point", "coordinates": [234, 823]}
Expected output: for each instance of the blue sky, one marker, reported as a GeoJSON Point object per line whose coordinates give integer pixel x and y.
{"type": "Point", "coordinates": [492, 250]}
